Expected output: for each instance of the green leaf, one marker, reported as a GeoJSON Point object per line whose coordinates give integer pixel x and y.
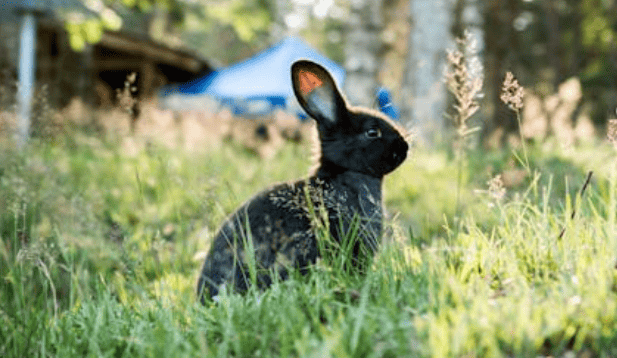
{"type": "Point", "coordinates": [111, 20]}
{"type": "Point", "coordinates": [93, 30]}
{"type": "Point", "coordinates": [77, 41]}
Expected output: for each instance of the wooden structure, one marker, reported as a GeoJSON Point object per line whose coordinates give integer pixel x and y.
{"type": "Point", "coordinates": [119, 54]}
{"type": "Point", "coordinates": [95, 73]}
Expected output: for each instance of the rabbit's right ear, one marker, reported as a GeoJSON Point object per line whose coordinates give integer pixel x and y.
{"type": "Point", "coordinates": [317, 92]}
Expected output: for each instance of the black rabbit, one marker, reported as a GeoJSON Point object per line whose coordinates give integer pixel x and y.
{"type": "Point", "coordinates": [358, 147]}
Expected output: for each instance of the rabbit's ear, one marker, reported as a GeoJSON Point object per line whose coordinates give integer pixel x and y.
{"type": "Point", "coordinates": [317, 92]}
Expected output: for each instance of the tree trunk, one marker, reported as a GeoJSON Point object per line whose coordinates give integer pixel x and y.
{"type": "Point", "coordinates": [552, 28]}
{"type": "Point", "coordinates": [575, 61]}
{"type": "Point", "coordinates": [613, 56]}
{"type": "Point", "coordinates": [363, 49]}
{"type": "Point", "coordinates": [501, 121]}
{"type": "Point", "coordinates": [423, 89]}
{"type": "Point", "coordinates": [458, 25]}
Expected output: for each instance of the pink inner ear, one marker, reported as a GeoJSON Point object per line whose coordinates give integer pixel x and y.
{"type": "Point", "coordinates": [308, 81]}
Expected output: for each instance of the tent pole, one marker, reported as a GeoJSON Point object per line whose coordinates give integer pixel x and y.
{"type": "Point", "coordinates": [26, 76]}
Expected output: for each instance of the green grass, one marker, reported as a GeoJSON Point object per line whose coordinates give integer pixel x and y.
{"type": "Point", "coordinates": [100, 252]}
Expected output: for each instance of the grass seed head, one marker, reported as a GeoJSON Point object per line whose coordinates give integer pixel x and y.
{"type": "Point", "coordinates": [512, 93]}
{"type": "Point", "coordinates": [496, 188]}
{"type": "Point", "coordinates": [464, 79]}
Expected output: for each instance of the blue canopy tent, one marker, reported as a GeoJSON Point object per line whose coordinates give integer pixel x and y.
{"type": "Point", "coordinates": [260, 84]}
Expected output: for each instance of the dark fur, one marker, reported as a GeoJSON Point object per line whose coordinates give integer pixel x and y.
{"type": "Point", "coordinates": [358, 147]}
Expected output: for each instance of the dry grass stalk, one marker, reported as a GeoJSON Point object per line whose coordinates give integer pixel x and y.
{"type": "Point", "coordinates": [580, 196]}
{"type": "Point", "coordinates": [464, 79]}
{"type": "Point", "coordinates": [45, 119]}
{"type": "Point", "coordinates": [464, 82]}
{"type": "Point", "coordinates": [126, 96]}
{"type": "Point", "coordinates": [611, 132]}
{"type": "Point", "coordinates": [512, 94]}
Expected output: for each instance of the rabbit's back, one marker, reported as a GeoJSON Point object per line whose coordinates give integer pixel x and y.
{"type": "Point", "coordinates": [281, 223]}
{"type": "Point", "coordinates": [275, 231]}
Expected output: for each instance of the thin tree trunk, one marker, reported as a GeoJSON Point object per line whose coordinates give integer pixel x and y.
{"type": "Point", "coordinates": [429, 38]}
{"type": "Point", "coordinates": [552, 27]}
{"type": "Point", "coordinates": [499, 45]}
{"type": "Point", "coordinates": [575, 62]}
{"type": "Point", "coordinates": [407, 98]}
{"type": "Point", "coordinates": [492, 61]}
{"type": "Point", "coordinates": [613, 57]}
{"type": "Point", "coordinates": [458, 27]}
{"type": "Point", "coordinates": [363, 49]}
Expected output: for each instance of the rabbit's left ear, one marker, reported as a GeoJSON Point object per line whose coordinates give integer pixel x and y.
{"type": "Point", "coordinates": [317, 92]}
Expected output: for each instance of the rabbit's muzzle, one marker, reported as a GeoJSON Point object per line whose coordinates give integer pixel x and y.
{"type": "Point", "coordinates": [397, 154]}
{"type": "Point", "coordinates": [400, 153]}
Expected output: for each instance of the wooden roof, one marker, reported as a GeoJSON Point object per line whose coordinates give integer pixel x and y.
{"type": "Point", "coordinates": [145, 48]}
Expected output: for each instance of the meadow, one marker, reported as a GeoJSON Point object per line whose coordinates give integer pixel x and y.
{"type": "Point", "coordinates": [100, 251]}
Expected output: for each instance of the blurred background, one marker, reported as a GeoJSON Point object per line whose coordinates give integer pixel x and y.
{"type": "Point", "coordinates": [163, 64]}
{"type": "Point", "coordinates": [130, 129]}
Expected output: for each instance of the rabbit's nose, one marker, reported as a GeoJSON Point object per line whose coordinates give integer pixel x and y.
{"type": "Point", "coordinates": [396, 156]}
{"type": "Point", "coordinates": [400, 153]}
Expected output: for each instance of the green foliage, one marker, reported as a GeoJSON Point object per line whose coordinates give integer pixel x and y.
{"type": "Point", "coordinates": [99, 252]}
{"type": "Point", "coordinates": [597, 25]}
{"type": "Point", "coordinates": [246, 18]}
{"type": "Point", "coordinates": [89, 30]}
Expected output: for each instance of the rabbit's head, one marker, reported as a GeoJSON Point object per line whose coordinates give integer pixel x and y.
{"type": "Point", "coordinates": [351, 139]}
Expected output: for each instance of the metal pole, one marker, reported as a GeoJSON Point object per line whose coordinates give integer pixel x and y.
{"type": "Point", "coordinates": [26, 76]}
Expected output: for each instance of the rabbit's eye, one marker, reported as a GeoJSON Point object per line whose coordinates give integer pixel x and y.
{"type": "Point", "coordinates": [373, 133]}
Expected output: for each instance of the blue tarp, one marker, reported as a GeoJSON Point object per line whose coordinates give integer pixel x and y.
{"type": "Point", "coordinates": [261, 83]}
